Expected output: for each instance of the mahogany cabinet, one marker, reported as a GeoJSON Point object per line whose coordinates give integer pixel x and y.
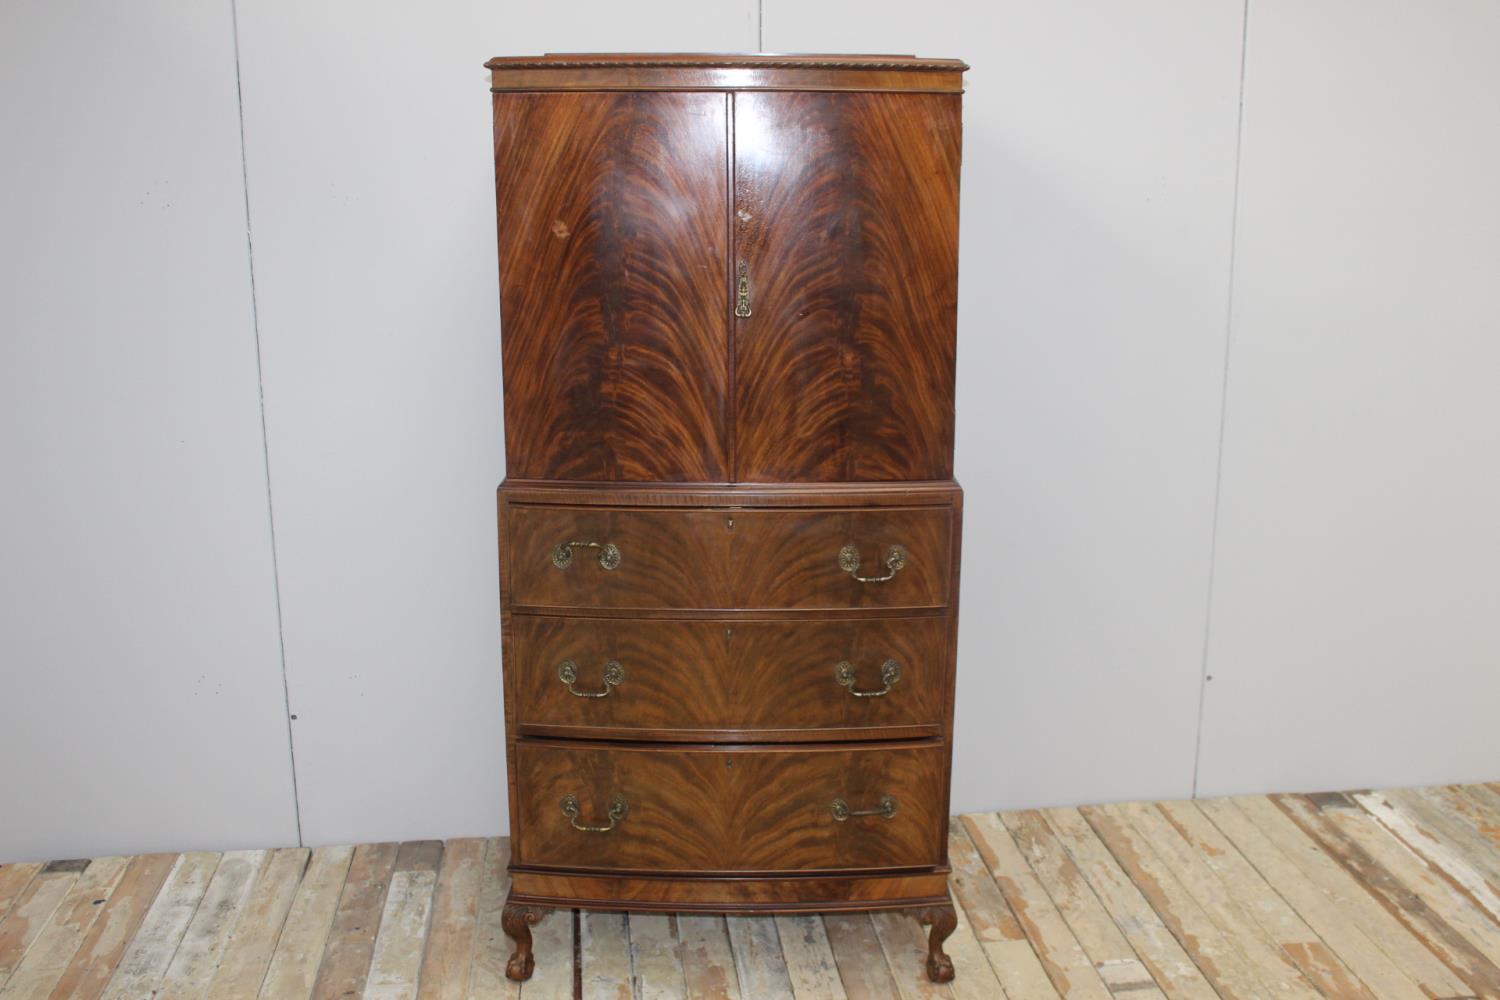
{"type": "Point", "coordinates": [729, 535]}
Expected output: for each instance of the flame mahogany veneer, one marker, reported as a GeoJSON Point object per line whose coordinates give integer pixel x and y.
{"type": "Point", "coordinates": [730, 536]}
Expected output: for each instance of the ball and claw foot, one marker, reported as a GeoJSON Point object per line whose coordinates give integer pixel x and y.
{"type": "Point", "coordinates": [943, 920]}
{"type": "Point", "coordinates": [516, 920]}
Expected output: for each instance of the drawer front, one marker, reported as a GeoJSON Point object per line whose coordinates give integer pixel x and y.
{"type": "Point", "coordinates": [599, 557]}
{"type": "Point", "coordinates": [732, 810]}
{"type": "Point", "coordinates": [732, 680]}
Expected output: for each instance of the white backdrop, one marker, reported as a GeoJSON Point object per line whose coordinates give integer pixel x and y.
{"type": "Point", "coordinates": [1225, 401]}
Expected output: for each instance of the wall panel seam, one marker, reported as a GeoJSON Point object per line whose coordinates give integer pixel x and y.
{"type": "Point", "coordinates": [1204, 677]}
{"type": "Point", "coordinates": [260, 387]}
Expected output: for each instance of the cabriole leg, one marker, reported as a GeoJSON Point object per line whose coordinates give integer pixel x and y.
{"type": "Point", "coordinates": [943, 920]}
{"type": "Point", "coordinates": [516, 920]}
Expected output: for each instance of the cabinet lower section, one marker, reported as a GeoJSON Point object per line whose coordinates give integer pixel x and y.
{"type": "Point", "coordinates": [729, 700]}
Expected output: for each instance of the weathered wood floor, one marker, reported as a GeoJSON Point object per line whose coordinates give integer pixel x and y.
{"type": "Point", "coordinates": [1392, 894]}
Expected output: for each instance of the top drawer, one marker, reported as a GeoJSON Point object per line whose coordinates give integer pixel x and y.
{"type": "Point", "coordinates": [600, 557]}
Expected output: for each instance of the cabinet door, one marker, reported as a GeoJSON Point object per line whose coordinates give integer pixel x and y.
{"type": "Point", "coordinates": [846, 223]}
{"type": "Point", "coordinates": [614, 269]}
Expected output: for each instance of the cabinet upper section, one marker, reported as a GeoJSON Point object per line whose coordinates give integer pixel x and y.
{"type": "Point", "coordinates": [757, 285]}
{"type": "Point", "coordinates": [695, 71]}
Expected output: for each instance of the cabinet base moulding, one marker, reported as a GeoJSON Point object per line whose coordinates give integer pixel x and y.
{"type": "Point", "coordinates": [778, 893]}
{"type": "Point", "coordinates": [523, 911]}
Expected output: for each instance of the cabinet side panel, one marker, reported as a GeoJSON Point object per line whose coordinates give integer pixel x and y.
{"type": "Point", "coordinates": [846, 216]}
{"type": "Point", "coordinates": [612, 268]}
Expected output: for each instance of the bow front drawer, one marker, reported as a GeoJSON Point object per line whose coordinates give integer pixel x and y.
{"type": "Point", "coordinates": [738, 681]}
{"type": "Point", "coordinates": [697, 809]}
{"type": "Point", "coordinates": [600, 557]}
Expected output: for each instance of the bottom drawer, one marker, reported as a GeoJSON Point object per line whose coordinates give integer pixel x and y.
{"type": "Point", "coordinates": [735, 809]}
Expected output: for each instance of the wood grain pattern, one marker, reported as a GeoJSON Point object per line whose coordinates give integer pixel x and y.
{"type": "Point", "coordinates": [299, 949]}
{"type": "Point", "coordinates": [846, 213]}
{"type": "Point", "coordinates": [1384, 976]}
{"type": "Point", "coordinates": [455, 911]}
{"type": "Point", "coordinates": [810, 964]}
{"type": "Point", "coordinates": [14, 878]}
{"type": "Point", "coordinates": [942, 493]}
{"type": "Point", "coordinates": [1101, 939]}
{"type": "Point", "coordinates": [863, 970]}
{"type": "Point", "coordinates": [49, 955]}
{"type": "Point", "coordinates": [736, 681]}
{"type": "Point", "coordinates": [32, 910]}
{"type": "Point", "coordinates": [612, 260]}
{"type": "Point", "coordinates": [197, 955]}
{"type": "Point", "coordinates": [94, 962]}
{"type": "Point", "coordinates": [1064, 959]}
{"type": "Point", "coordinates": [487, 979]}
{"type": "Point", "coordinates": [905, 949]}
{"type": "Point", "coordinates": [741, 809]}
{"type": "Point", "coordinates": [1447, 922]}
{"type": "Point", "coordinates": [1250, 893]}
{"type": "Point", "coordinates": [708, 960]}
{"type": "Point", "coordinates": [655, 958]}
{"type": "Point", "coordinates": [151, 949]}
{"type": "Point", "coordinates": [396, 960]}
{"type": "Point", "coordinates": [773, 893]}
{"type": "Point", "coordinates": [247, 955]}
{"type": "Point", "coordinates": [756, 946]}
{"type": "Point", "coordinates": [351, 939]}
{"type": "Point", "coordinates": [1232, 974]}
{"type": "Point", "coordinates": [604, 956]}
{"type": "Point", "coordinates": [1357, 903]}
{"type": "Point", "coordinates": [754, 558]}
{"type": "Point", "coordinates": [996, 930]}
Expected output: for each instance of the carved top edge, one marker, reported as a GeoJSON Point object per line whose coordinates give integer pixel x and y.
{"type": "Point", "coordinates": [890, 63]}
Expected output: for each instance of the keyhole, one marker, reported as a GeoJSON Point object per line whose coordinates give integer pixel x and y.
{"type": "Point", "coordinates": [729, 523]}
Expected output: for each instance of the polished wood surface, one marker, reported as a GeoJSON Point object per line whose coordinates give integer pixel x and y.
{"type": "Point", "coordinates": [689, 71]}
{"type": "Point", "coordinates": [730, 680]}
{"type": "Point", "coordinates": [613, 268]}
{"type": "Point", "coordinates": [733, 809]}
{"type": "Point", "coordinates": [944, 493]}
{"type": "Point", "coordinates": [729, 544]}
{"type": "Point", "coordinates": [783, 892]}
{"type": "Point", "coordinates": [846, 216]}
{"type": "Point", "coordinates": [749, 558]}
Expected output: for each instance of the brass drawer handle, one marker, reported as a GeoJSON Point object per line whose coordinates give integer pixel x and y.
{"type": "Point", "coordinates": [617, 810]}
{"type": "Point", "coordinates": [885, 810]}
{"type": "Point", "coordinates": [567, 672]}
{"type": "Point", "coordinates": [895, 561]}
{"type": "Point", "coordinates": [609, 555]}
{"type": "Point", "coordinates": [890, 673]}
{"type": "Point", "coordinates": [742, 298]}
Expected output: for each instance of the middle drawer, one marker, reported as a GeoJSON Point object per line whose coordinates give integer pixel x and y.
{"type": "Point", "coordinates": [701, 681]}
{"type": "Point", "coordinates": [626, 558]}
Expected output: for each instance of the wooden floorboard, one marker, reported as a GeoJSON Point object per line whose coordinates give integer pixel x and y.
{"type": "Point", "coordinates": [1385, 894]}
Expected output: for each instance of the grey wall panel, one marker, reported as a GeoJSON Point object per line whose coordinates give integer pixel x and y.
{"type": "Point", "coordinates": [141, 702]}
{"type": "Point", "coordinates": [1355, 626]}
